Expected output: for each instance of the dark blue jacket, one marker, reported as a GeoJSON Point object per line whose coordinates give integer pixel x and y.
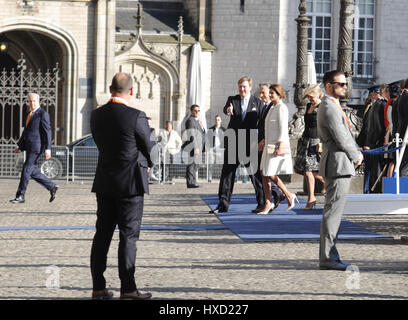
{"type": "Point", "coordinates": [36, 136]}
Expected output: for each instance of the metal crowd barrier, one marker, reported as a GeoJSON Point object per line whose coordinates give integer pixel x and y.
{"type": "Point", "coordinates": [57, 167]}
{"type": "Point", "coordinates": [80, 164]}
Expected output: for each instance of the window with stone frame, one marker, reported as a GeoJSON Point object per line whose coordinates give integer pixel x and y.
{"type": "Point", "coordinates": [319, 33]}
{"type": "Point", "coordinates": [363, 39]}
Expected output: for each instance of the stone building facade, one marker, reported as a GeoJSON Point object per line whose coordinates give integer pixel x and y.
{"type": "Point", "coordinates": [92, 39]}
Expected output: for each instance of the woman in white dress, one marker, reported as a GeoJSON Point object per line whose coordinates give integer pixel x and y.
{"type": "Point", "coordinates": [276, 157]}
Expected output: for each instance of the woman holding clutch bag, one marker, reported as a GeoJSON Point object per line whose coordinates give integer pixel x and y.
{"type": "Point", "coordinates": [276, 156]}
{"type": "Point", "coordinates": [308, 153]}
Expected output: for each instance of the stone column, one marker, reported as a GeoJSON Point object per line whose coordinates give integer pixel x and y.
{"type": "Point", "coordinates": [105, 16]}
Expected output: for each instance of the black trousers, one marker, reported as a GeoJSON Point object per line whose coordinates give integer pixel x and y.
{"type": "Point", "coordinates": [126, 213]}
{"type": "Point", "coordinates": [227, 181]}
{"type": "Point", "coordinates": [31, 170]}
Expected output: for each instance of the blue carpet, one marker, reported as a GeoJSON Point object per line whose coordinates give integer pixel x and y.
{"type": "Point", "coordinates": [143, 227]}
{"type": "Point", "coordinates": [281, 225]}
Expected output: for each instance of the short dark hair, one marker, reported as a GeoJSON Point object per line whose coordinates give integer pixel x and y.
{"type": "Point", "coordinates": [122, 82]}
{"type": "Point", "coordinates": [330, 75]}
{"type": "Point", "coordinates": [194, 106]}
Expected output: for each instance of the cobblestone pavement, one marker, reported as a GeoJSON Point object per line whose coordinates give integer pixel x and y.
{"type": "Point", "coordinates": [212, 264]}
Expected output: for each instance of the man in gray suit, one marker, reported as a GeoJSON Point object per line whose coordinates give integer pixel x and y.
{"type": "Point", "coordinates": [336, 166]}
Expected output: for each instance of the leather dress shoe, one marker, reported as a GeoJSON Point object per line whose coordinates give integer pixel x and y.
{"type": "Point", "coordinates": [257, 209]}
{"type": "Point", "coordinates": [102, 294]}
{"type": "Point", "coordinates": [53, 191]}
{"type": "Point", "coordinates": [278, 200]}
{"type": "Point", "coordinates": [194, 186]}
{"type": "Point", "coordinates": [136, 295]}
{"type": "Point", "coordinates": [18, 199]}
{"type": "Point", "coordinates": [340, 266]}
{"type": "Point", "coordinates": [218, 209]}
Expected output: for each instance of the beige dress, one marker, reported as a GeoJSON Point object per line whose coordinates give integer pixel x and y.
{"type": "Point", "coordinates": [276, 130]}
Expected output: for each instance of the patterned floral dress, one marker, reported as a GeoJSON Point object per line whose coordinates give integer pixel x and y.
{"type": "Point", "coordinates": [307, 157]}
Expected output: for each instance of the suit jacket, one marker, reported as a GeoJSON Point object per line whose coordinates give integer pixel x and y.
{"type": "Point", "coordinates": [252, 115]}
{"type": "Point", "coordinates": [194, 135]}
{"type": "Point", "coordinates": [221, 131]}
{"type": "Point", "coordinates": [276, 124]}
{"type": "Point", "coordinates": [36, 137]}
{"type": "Point", "coordinates": [339, 147]}
{"type": "Point", "coordinates": [122, 136]}
{"type": "Point", "coordinates": [403, 113]}
{"type": "Point", "coordinates": [261, 126]}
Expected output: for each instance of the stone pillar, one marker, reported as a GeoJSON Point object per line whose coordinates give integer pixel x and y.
{"type": "Point", "coordinates": [105, 16]}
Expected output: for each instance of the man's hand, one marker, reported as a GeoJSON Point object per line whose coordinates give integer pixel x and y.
{"type": "Point", "coordinates": [230, 110]}
{"type": "Point", "coordinates": [16, 150]}
{"type": "Point", "coordinates": [360, 159]}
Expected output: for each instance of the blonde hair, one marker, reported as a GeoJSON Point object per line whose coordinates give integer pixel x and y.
{"type": "Point", "coordinates": [313, 90]}
{"type": "Point", "coordinates": [245, 79]}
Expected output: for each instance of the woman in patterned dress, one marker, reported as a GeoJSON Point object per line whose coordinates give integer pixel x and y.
{"type": "Point", "coordinates": [308, 153]}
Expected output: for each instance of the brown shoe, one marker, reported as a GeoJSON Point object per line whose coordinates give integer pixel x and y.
{"type": "Point", "coordinates": [136, 295]}
{"type": "Point", "coordinates": [102, 294]}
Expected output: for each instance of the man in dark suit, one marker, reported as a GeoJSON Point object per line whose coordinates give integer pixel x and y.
{"type": "Point", "coordinates": [195, 133]}
{"type": "Point", "coordinates": [245, 111]}
{"type": "Point", "coordinates": [122, 136]}
{"type": "Point", "coordinates": [402, 125]}
{"type": "Point", "coordinates": [35, 140]}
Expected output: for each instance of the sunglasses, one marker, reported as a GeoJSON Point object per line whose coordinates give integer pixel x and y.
{"type": "Point", "coordinates": [341, 84]}
{"type": "Point", "coordinates": [196, 110]}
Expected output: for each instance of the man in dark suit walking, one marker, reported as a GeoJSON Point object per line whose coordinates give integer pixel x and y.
{"type": "Point", "coordinates": [245, 111]}
{"type": "Point", "coordinates": [195, 142]}
{"type": "Point", "coordinates": [35, 140]}
{"type": "Point", "coordinates": [122, 136]}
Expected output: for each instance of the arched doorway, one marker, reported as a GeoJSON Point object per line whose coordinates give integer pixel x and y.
{"type": "Point", "coordinates": [45, 49]}
{"type": "Point", "coordinates": [30, 64]}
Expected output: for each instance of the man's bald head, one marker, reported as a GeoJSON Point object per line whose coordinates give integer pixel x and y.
{"type": "Point", "coordinates": [121, 84]}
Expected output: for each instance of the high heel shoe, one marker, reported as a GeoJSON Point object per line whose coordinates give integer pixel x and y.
{"type": "Point", "coordinates": [267, 209]}
{"type": "Point", "coordinates": [310, 205]}
{"type": "Point", "coordinates": [292, 204]}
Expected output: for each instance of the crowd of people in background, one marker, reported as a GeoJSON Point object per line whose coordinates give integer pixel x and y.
{"type": "Point", "coordinates": [384, 114]}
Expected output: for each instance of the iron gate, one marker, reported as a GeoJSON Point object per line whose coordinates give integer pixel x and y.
{"type": "Point", "coordinates": [14, 88]}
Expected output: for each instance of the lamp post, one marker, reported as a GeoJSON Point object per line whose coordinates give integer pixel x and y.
{"type": "Point", "coordinates": [345, 46]}
{"type": "Point", "coordinates": [297, 123]}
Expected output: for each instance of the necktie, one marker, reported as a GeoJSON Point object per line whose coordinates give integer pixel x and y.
{"type": "Point", "coordinates": [243, 109]}
{"type": "Point", "coordinates": [28, 118]}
